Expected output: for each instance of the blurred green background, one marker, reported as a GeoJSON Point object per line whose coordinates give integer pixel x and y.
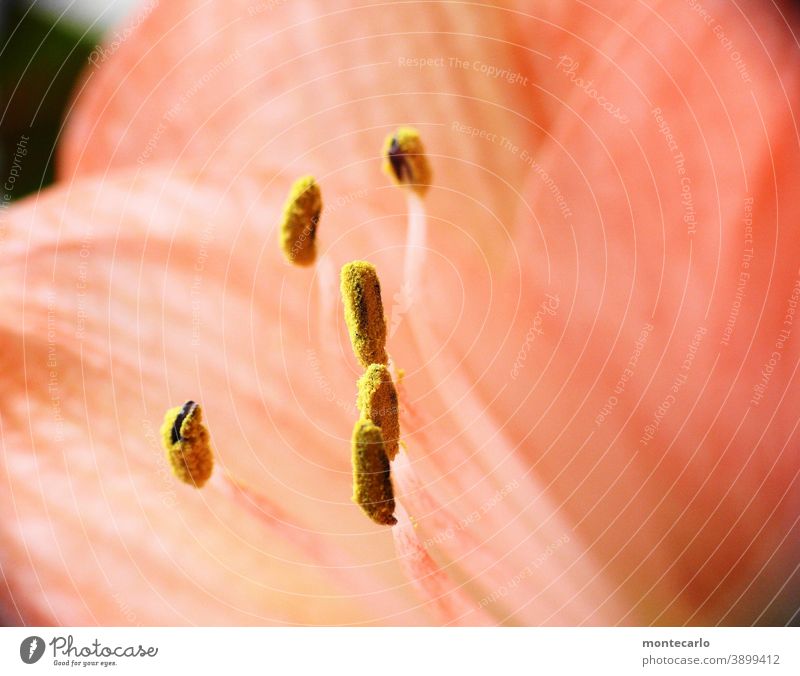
{"type": "Point", "coordinates": [44, 47]}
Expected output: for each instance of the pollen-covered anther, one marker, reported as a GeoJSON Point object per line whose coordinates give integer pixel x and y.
{"type": "Point", "coordinates": [404, 160]}
{"type": "Point", "coordinates": [377, 401]}
{"type": "Point", "coordinates": [372, 482]}
{"type": "Point", "coordinates": [187, 444]}
{"type": "Point", "coordinates": [363, 312]}
{"type": "Point", "coordinates": [301, 214]}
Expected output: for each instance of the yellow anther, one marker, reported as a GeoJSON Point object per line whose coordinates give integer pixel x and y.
{"type": "Point", "coordinates": [363, 312]}
{"type": "Point", "coordinates": [187, 444]}
{"type": "Point", "coordinates": [299, 224]}
{"type": "Point", "coordinates": [404, 160]}
{"type": "Point", "coordinates": [372, 482]}
{"type": "Point", "coordinates": [377, 401]}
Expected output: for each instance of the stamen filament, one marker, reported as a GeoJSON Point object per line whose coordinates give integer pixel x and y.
{"type": "Point", "coordinates": [416, 237]}
{"type": "Point", "coordinates": [473, 420]}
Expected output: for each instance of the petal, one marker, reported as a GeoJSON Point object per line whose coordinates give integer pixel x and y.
{"type": "Point", "coordinates": [122, 297]}
{"type": "Point", "coordinates": [453, 604]}
{"type": "Point", "coordinates": [296, 73]}
{"type": "Point", "coordinates": [319, 86]}
{"type": "Point", "coordinates": [697, 524]}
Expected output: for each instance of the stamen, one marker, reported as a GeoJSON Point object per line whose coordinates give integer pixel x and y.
{"type": "Point", "coordinates": [299, 224]}
{"type": "Point", "coordinates": [363, 312]}
{"type": "Point", "coordinates": [377, 401]}
{"type": "Point", "coordinates": [405, 161]}
{"type": "Point", "coordinates": [474, 423]}
{"type": "Point", "coordinates": [187, 444]}
{"type": "Point", "coordinates": [372, 483]}
{"type": "Point", "coordinates": [416, 249]}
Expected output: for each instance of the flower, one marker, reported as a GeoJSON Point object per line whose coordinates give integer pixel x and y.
{"type": "Point", "coordinates": [598, 408]}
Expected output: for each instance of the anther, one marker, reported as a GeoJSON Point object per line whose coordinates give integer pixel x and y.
{"type": "Point", "coordinates": [404, 160]}
{"type": "Point", "coordinates": [187, 445]}
{"type": "Point", "coordinates": [299, 224]}
{"type": "Point", "coordinates": [372, 483]}
{"type": "Point", "coordinates": [377, 401]}
{"type": "Point", "coordinates": [363, 312]}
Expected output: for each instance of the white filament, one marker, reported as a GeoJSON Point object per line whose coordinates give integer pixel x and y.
{"type": "Point", "coordinates": [416, 238]}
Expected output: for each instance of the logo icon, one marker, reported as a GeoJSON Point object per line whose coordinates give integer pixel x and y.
{"type": "Point", "coordinates": [31, 649]}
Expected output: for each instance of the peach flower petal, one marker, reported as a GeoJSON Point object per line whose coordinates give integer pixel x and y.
{"type": "Point", "coordinates": [139, 291]}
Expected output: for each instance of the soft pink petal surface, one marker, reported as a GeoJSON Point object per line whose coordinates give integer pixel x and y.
{"type": "Point", "coordinates": [519, 497]}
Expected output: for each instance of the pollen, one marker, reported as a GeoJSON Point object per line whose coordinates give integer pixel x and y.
{"type": "Point", "coordinates": [299, 224]}
{"type": "Point", "coordinates": [363, 312]}
{"type": "Point", "coordinates": [377, 401]}
{"type": "Point", "coordinates": [404, 160]}
{"type": "Point", "coordinates": [187, 444]}
{"type": "Point", "coordinates": [372, 482]}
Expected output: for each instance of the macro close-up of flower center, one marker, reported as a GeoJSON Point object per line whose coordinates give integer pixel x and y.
{"type": "Point", "coordinates": [410, 314]}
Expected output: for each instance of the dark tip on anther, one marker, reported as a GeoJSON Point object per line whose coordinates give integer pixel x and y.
{"type": "Point", "coordinates": [399, 166]}
{"type": "Point", "coordinates": [186, 409]}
